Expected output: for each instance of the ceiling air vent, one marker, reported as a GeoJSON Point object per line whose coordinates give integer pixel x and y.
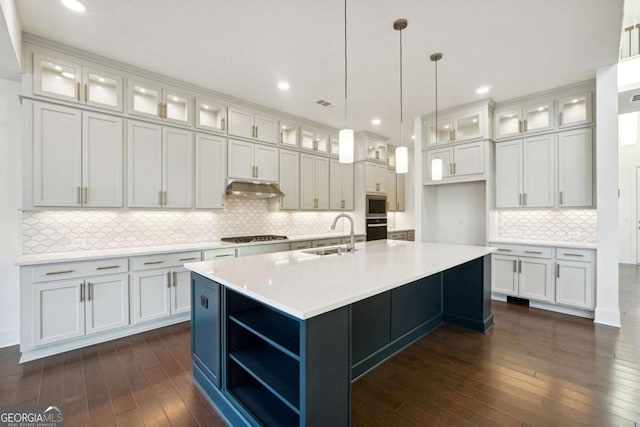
{"type": "Point", "coordinates": [635, 98]}
{"type": "Point", "coordinates": [324, 103]}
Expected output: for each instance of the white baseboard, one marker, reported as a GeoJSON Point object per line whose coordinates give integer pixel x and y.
{"type": "Point", "coordinates": [607, 317]}
{"type": "Point", "coordinates": [550, 307]}
{"type": "Point", "coordinates": [9, 336]}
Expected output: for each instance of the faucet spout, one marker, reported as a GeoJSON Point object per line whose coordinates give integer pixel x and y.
{"type": "Point", "coordinates": [352, 245]}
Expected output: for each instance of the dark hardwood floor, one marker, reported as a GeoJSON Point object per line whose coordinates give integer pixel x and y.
{"type": "Point", "coordinates": [533, 368]}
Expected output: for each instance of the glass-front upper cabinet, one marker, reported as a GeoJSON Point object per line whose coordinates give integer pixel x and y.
{"type": "Point", "coordinates": [440, 134]}
{"type": "Point", "coordinates": [150, 100]}
{"type": "Point", "coordinates": [211, 115]}
{"type": "Point", "coordinates": [289, 133]}
{"type": "Point", "coordinates": [575, 110]}
{"type": "Point", "coordinates": [376, 150]}
{"type": "Point", "coordinates": [508, 122]}
{"type": "Point", "coordinates": [315, 140]}
{"type": "Point", "coordinates": [467, 127]}
{"type": "Point", "coordinates": [538, 116]}
{"type": "Point", "coordinates": [177, 106]}
{"type": "Point", "coordinates": [335, 145]}
{"type": "Point", "coordinates": [69, 81]}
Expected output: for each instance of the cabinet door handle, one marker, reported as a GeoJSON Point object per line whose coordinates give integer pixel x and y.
{"type": "Point", "coordinates": [342, 204]}
{"type": "Point", "coordinates": [454, 134]}
{"type": "Point", "coordinates": [175, 279]}
{"type": "Point", "coordinates": [526, 126]}
{"type": "Point", "coordinates": [524, 199]}
{"type": "Point", "coordinates": [85, 195]}
{"type": "Point", "coordinates": [53, 273]}
{"type": "Point", "coordinates": [79, 195]}
{"type": "Point", "coordinates": [223, 125]}
{"type": "Point", "coordinates": [557, 270]}
{"type": "Point", "coordinates": [519, 199]}
{"type": "Point", "coordinates": [166, 197]}
{"type": "Point", "coordinates": [576, 255]}
{"type": "Point", "coordinates": [153, 262]}
{"type": "Point", "coordinates": [78, 91]}
{"type": "Point", "coordinates": [515, 266]}
{"type": "Point", "coordinates": [257, 131]}
{"type": "Point", "coordinates": [160, 198]}
{"type": "Point", "coordinates": [86, 93]}
{"type": "Point", "coordinates": [281, 137]}
{"type": "Point", "coordinates": [561, 197]}
{"type": "Point", "coordinates": [533, 252]}
{"type": "Point", "coordinates": [257, 170]}
{"type": "Point", "coordinates": [450, 168]}
{"type": "Point", "coordinates": [160, 109]}
{"type": "Point", "coordinates": [89, 291]}
{"type": "Point", "coordinates": [188, 259]}
{"type": "Point", "coordinates": [519, 126]}
{"type": "Point", "coordinates": [169, 279]}
{"type": "Point", "coordinates": [109, 267]}
{"type": "Point", "coordinates": [455, 166]}
{"type": "Point", "coordinates": [519, 266]}
{"type": "Point", "coordinates": [81, 289]}
{"type": "Point", "coordinates": [397, 206]}
{"type": "Point", "coordinates": [559, 119]}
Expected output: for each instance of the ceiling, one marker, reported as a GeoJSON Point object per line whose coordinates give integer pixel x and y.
{"type": "Point", "coordinates": [244, 47]}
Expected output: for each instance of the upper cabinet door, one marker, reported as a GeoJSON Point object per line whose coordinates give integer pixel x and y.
{"type": "Point", "coordinates": [240, 163]}
{"type": "Point", "coordinates": [210, 171]}
{"type": "Point", "coordinates": [575, 110]}
{"type": "Point", "coordinates": [266, 163]}
{"type": "Point", "coordinates": [335, 185]}
{"type": "Point", "coordinates": [509, 174]}
{"type": "Point", "coordinates": [289, 134]}
{"type": "Point", "coordinates": [308, 138]}
{"type": "Point", "coordinates": [335, 145]}
{"type": "Point", "coordinates": [321, 182]}
{"type": "Point", "coordinates": [144, 99]}
{"type": "Point", "coordinates": [241, 123]}
{"type": "Point", "coordinates": [177, 107]}
{"type": "Point", "coordinates": [468, 159]}
{"type": "Point", "coordinates": [102, 154]}
{"type": "Point", "coordinates": [381, 173]}
{"type": "Point", "coordinates": [538, 169]}
{"type": "Point", "coordinates": [290, 179]}
{"type": "Point", "coordinates": [347, 186]}
{"type": "Point", "coordinates": [446, 156]}
{"type": "Point", "coordinates": [376, 150]}
{"type": "Point", "coordinates": [177, 174]}
{"type": "Point", "coordinates": [102, 89]}
{"type": "Point", "coordinates": [400, 192]}
{"type": "Point", "coordinates": [144, 142]}
{"type": "Point", "coordinates": [575, 168]}
{"type": "Point", "coordinates": [57, 155]}
{"type": "Point", "coordinates": [56, 78]}
{"type": "Point", "coordinates": [211, 115]}
{"type": "Point", "coordinates": [307, 190]}
{"type": "Point", "coordinates": [392, 201]}
{"type": "Point", "coordinates": [440, 134]}
{"type": "Point", "coordinates": [467, 127]}
{"type": "Point", "coordinates": [538, 116]}
{"type": "Point", "coordinates": [266, 129]}
{"type": "Point", "coordinates": [508, 122]}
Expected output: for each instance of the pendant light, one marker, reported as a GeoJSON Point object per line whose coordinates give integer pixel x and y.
{"type": "Point", "coordinates": [402, 153]}
{"type": "Point", "coordinates": [345, 137]}
{"type": "Point", "coordinates": [436, 164]}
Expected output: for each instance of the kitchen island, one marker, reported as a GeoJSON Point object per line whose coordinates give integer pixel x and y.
{"type": "Point", "coordinates": [277, 339]}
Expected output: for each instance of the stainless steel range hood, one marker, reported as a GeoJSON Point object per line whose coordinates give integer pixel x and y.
{"type": "Point", "coordinates": [241, 188]}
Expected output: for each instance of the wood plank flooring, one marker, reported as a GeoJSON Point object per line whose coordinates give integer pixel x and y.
{"type": "Point", "coordinates": [535, 368]}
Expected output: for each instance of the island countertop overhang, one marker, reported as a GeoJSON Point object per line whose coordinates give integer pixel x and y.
{"type": "Point", "coordinates": [305, 285]}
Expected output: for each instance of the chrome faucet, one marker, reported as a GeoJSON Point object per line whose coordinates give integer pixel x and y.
{"type": "Point", "coordinates": [352, 245]}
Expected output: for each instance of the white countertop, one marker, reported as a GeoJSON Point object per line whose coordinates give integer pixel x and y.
{"type": "Point", "coordinates": [83, 255]}
{"type": "Point", "coordinates": [306, 285]}
{"type": "Point", "coordinates": [557, 244]}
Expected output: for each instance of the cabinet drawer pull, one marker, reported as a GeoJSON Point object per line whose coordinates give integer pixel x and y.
{"type": "Point", "coordinates": [504, 250]}
{"type": "Point", "coordinates": [188, 259]}
{"type": "Point", "coordinates": [533, 252]}
{"type": "Point", "coordinates": [109, 267]}
{"type": "Point", "coordinates": [53, 273]}
{"type": "Point", "coordinates": [576, 255]}
{"type": "Point", "coordinates": [223, 256]}
{"type": "Point", "coordinates": [153, 262]}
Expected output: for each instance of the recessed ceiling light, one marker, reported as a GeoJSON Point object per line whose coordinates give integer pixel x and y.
{"type": "Point", "coordinates": [74, 5]}
{"type": "Point", "coordinates": [57, 68]}
{"type": "Point", "coordinates": [282, 85]}
{"type": "Point", "coordinates": [483, 89]}
{"type": "Point", "coordinates": [376, 122]}
{"type": "Point", "coordinates": [68, 75]}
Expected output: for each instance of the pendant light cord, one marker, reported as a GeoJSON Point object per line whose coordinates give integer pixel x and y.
{"type": "Point", "coordinates": [401, 112]}
{"type": "Point", "coordinates": [345, 63]}
{"type": "Point", "coordinates": [436, 107]}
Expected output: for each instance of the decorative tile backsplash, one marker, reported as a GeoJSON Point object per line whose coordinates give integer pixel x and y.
{"type": "Point", "coordinates": [60, 231]}
{"type": "Point", "coordinates": [554, 225]}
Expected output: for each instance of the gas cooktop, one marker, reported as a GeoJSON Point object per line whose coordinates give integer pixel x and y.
{"type": "Point", "coordinates": [251, 239]}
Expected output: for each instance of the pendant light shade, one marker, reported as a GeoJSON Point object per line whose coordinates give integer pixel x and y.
{"type": "Point", "coordinates": [402, 159]}
{"type": "Point", "coordinates": [345, 137]}
{"type": "Point", "coordinates": [345, 146]}
{"type": "Point", "coordinates": [436, 164]}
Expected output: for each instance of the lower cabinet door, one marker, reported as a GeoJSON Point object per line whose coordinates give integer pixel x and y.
{"type": "Point", "coordinates": [504, 274]}
{"type": "Point", "coordinates": [574, 284]}
{"type": "Point", "coordinates": [151, 295]}
{"type": "Point", "coordinates": [180, 290]}
{"type": "Point", "coordinates": [107, 303]}
{"type": "Point", "coordinates": [205, 327]}
{"type": "Point", "coordinates": [58, 311]}
{"type": "Point", "coordinates": [536, 279]}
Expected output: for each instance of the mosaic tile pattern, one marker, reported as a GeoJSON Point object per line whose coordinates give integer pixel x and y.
{"type": "Point", "coordinates": [60, 231]}
{"type": "Point", "coordinates": [556, 225]}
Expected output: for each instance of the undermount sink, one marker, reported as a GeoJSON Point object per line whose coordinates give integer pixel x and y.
{"type": "Point", "coordinates": [334, 250]}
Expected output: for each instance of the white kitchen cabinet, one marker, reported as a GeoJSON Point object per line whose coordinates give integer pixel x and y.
{"type": "Point", "coordinates": [524, 119]}
{"type": "Point", "coordinates": [314, 182]}
{"type": "Point", "coordinates": [149, 99]}
{"type": "Point", "coordinates": [535, 279]}
{"type": "Point", "coordinates": [400, 192]}
{"type": "Point", "coordinates": [70, 81]}
{"type": "Point", "coordinates": [446, 155]}
{"type": "Point", "coordinates": [210, 171]}
{"type": "Point", "coordinates": [151, 294]}
{"type": "Point", "coordinates": [334, 147]}
{"type": "Point", "coordinates": [251, 161]}
{"type": "Point", "coordinates": [468, 159]}
{"type": "Point", "coordinates": [160, 166]}
{"type": "Point", "coordinates": [107, 302]}
{"type": "Point", "coordinates": [180, 290]}
{"type": "Point", "coordinates": [211, 115]}
{"type": "Point", "coordinates": [575, 110]}
{"type": "Point", "coordinates": [249, 124]}
{"type": "Point", "coordinates": [459, 127]}
{"type": "Point", "coordinates": [525, 172]}
{"type": "Point", "coordinates": [314, 139]}
{"type": "Point", "coordinates": [341, 185]}
{"type": "Point", "coordinates": [289, 134]}
{"type": "Point", "coordinates": [58, 311]}
{"type": "Point", "coordinates": [575, 168]}
{"type": "Point", "coordinates": [290, 179]}
{"type": "Point", "coordinates": [504, 272]}
{"type": "Point", "coordinates": [574, 284]}
{"type": "Point", "coordinates": [77, 157]}
{"type": "Point", "coordinates": [392, 197]}
{"type": "Point", "coordinates": [375, 178]}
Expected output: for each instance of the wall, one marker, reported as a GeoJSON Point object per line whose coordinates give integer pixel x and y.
{"type": "Point", "coordinates": [66, 230]}
{"type": "Point", "coordinates": [10, 41]}
{"type": "Point", "coordinates": [629, 162]}
{"type": "Point", "coordinates": [10, 189]}
{"type": "Point", "coordinates": [550, 225]}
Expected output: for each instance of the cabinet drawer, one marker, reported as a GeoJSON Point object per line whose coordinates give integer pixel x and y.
{"type": "Point", "coordinates": [574, 254]}
{"type": "Point", "coordinates": [326, 242]}
{"type": "Point", "coordinates": [296, 246]}
{"type": "Point", "coordinates": [411, 235]}
{"type": "Point", "coordinates": [165, 260]}
{"type": "Point", "coordinates": [397, 235]}
{"type": "Point", "coordinates": [50, 272]}
{"type": "Point", "coordinates": [219, 253]}
{"type": "Point", "coordinates": [528, 251]}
